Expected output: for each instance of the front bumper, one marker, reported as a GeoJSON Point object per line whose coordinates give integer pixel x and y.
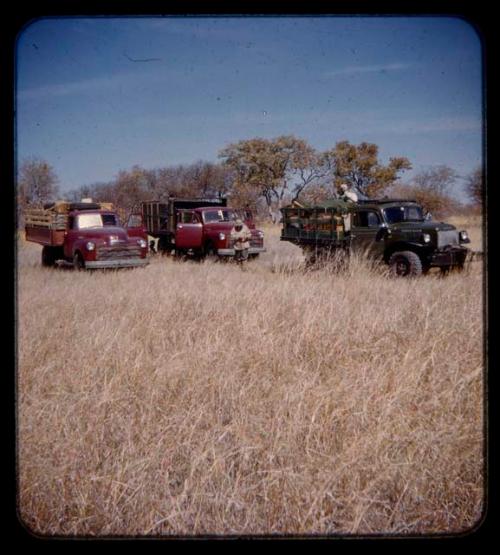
{"type": "Point", "coordinates": [451, 256]}
{"type": "Point", "coordinates": [121, 263]}
{"type": "Point", "coordinates": [231, 252]}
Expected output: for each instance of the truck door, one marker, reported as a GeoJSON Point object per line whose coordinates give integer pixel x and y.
{"type": "Point", "coordinates": [365, 226]}
{"type": "Point", "coordinates": [188, 231]}
{"type": "Point", "coordinates": [135, 226]}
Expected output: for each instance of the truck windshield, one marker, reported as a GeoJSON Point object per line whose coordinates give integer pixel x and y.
{"type": "Point", "coordinates": [396, 214]}
{"type": "Point", "coordinates": [86, 221]}
{"type": "Point", "coordinates": [219, 216]}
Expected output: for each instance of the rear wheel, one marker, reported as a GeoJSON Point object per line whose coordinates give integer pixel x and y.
{"type": "Point", "coordinates": [49, 256]}
{"type": "Point", "coordinates": [405, 263]}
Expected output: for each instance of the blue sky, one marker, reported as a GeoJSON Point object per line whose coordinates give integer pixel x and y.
{"type": "Point", "coordinates": [97, 95]}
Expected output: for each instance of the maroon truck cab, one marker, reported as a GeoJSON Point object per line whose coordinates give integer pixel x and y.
{"type": "Point", "coordinates": [205, 230]}
{"type": "Point", "coordinates": [88, 238]}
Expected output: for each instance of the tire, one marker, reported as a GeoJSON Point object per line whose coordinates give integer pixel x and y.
{"type": "Point", "coordinates": [405, 264]}
{"type": "Point", "coordinates": [78, 262]}
{"type": "Point", "coordinates": [49, 256]}
{"type": "Point", "coordinates": [210, 253]}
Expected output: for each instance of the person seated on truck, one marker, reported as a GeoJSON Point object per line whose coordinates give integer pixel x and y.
{"type": "Point", "coordinates": [241, 236]}
{"type": "Point", "coordinates": [346, 194]}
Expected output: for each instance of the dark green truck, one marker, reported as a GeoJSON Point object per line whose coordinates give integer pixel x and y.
{"type": "Point", "coordinates": [392, 230]}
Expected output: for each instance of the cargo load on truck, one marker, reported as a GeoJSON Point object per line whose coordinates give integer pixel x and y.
{"type": "Point", "coordinates": [327, 222]}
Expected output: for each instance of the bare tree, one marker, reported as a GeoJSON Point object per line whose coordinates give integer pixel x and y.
{"type": "Point", "coordinates": [37, 182]}
{"type": "Point", "coordinates": [439, 179]}
{"type": "Point", "coordinates": [475, 186]}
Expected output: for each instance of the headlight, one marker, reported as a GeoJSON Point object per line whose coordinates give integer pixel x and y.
{"type": "Point", "coordinates": [426, 237]}
{"type": "Point", "coordinates": [464, 237]}
{"type": "Point", "coordinates": [90, 246]}
{"type": "Point", "coordinates": [142, 243]}
{"type": "Point", "coordinates": [222, 236]}
{"type": "Point", "coordinates": [260, 234]}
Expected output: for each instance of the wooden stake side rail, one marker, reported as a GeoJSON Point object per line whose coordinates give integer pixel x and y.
{"type": "Point", "coordinates": [46, 219]}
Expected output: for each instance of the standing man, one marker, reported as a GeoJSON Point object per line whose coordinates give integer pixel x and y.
{"type": "Point", "coordinates": [241, 236]}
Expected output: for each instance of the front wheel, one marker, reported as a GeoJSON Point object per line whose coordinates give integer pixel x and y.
{"type": "Point", "coordinates": [78, 262]}
{"type": "Point", "coordinates": [405, 263]}
{"type": "Point", "coordinates": [210, 253]}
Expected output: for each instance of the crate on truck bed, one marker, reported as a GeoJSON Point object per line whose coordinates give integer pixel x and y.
{"type": "Point", "coordinates": [326, 223]}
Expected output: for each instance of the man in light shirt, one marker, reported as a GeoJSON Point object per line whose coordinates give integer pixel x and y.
{"type": "Point", "coordinates": [241, 236]}
{"type": "Point", "coordinates": [346, 194]}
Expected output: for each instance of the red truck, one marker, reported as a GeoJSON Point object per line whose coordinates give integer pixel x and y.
{"type": "Point", "coordinates": [86, 235]}
{"type": "Point", "coordinates": [195, 227]}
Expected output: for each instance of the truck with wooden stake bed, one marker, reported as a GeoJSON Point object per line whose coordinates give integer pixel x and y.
{"type": "Point", "coordinates": [394, 231]}
{"type": "Point", "coordinates": [86, 235]}
{"type": "Point", "coordinates": [195, 227]}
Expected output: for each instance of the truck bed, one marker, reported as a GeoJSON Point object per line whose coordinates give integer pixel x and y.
{"type": "Point", "coordinates": [45, 236]}
{"type": "Point", "coordinates": [46, 227]}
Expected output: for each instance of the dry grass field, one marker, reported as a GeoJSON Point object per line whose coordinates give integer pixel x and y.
{"type": "Point", "coordinates": [199, 398]}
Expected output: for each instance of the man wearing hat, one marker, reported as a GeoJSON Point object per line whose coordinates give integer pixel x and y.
{"type": "Point", "coordinates": [241, 236]}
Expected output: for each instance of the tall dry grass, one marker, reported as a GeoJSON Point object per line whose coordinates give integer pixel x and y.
{"type": "Point", "coordinates": [187, 399]}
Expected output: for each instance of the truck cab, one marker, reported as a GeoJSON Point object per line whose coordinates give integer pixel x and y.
{"type": "Point", "coordinates": [96, 239]}
{"type": "Point", "coordinates": [399, 233]}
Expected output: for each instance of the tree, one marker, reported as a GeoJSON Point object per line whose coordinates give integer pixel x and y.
{"type": "Point", "coordinates": [433, 189]}
{"type": "Point", "coordinates": [37, 183]}
{"type": "Point", "coordinates": [359, 167]}
{"type": "Point", "coordinates": [438, 204]}
{"type": "Point", "coordinates": [307, 168]}
{"type": "Point", "coordinates": [475, 186]}
{"type": "Point", "coordinates": [131, 187]}
{"type": "Point", "coordinates": [437, 179]}
{"type": "Point", "coordinates": [275, 168]}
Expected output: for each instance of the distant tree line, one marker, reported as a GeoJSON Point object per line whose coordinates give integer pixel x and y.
{"type": "Point", "coordinates": [264, 174]}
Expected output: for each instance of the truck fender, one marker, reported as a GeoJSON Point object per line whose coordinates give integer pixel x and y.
{"type": "Point", "coordinates": [406, 246]}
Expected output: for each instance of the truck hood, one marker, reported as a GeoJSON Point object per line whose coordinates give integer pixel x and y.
{"type": "Point", "coordinates": [422, 226]}
{"type": "Point", "coordinates": [108, 234]}
{"type": "Point", "coordinates": [225, 227]}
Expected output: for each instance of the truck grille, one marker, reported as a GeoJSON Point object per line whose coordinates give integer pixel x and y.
{"type": "Point", "coordinates": [447, 238]}
{"type": "Point", "coordinates": [118, 252]}
{"type": "Point", "coordinates": [254, 242]}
